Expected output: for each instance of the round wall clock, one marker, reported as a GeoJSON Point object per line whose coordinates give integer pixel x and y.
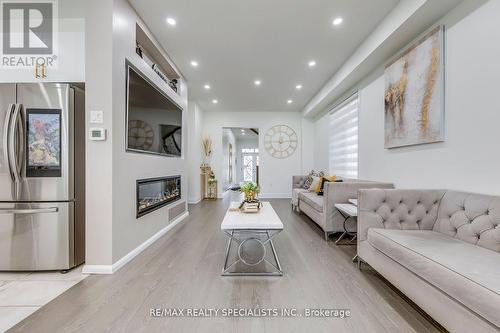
{"type": "Point", "coordinates": [280, 141]}
{"type": "Point", "coordinates": [140, 135]}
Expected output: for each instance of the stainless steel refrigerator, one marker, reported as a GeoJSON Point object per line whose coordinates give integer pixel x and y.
{"type": "Point", "coordinates": [41, 170]}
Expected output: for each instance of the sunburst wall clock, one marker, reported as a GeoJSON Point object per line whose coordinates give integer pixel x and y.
{"type": "Point", "coordinates": [280, 141]}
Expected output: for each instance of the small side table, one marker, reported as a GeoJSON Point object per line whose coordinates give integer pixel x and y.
{"type": "Point", "coordinates": [348, 211]}
{"type": "Point", "coordinates": [211, 190]}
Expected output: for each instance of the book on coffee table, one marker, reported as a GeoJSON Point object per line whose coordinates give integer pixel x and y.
{"type": "Point", "coordinates": [250, 207]}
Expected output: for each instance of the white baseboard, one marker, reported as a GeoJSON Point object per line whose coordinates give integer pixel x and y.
{"type": "Point", "coordinates": [275, 195]}
{"type": "Point", "coordinates": [97, 269]}
{"type": "Point", "coordinates": [110, 269]}
{"type": "Point", "coordinates": [194, 201]}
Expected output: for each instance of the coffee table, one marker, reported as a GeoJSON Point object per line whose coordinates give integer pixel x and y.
{"type": "Point", "coordinates": [251, 231]}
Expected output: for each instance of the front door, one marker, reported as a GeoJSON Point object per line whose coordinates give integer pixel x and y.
{"type": "Point", "coordinates": [250, 165]}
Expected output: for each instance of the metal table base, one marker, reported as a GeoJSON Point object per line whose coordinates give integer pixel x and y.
{"type": "Point", "coordinates": [346, 232]}
{"type": "Point", "coordinates": [251, 235]}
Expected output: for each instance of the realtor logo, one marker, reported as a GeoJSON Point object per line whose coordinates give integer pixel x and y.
{"type": "Point", "coordinates": [28, 38]}
{"type": "Point", "coordinates": [27, 27]}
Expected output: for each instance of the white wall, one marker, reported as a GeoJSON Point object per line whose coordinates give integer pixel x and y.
{"type": "Point", "coordinates": [275, 174]}
{"type": "Point", "coordinates": [195, 151]}
{"type": "Point", "coordinates": [321, 144]}
{"type": "Point", "coordinates": [112, 228]}
{"type": "Point", "coordinates": [227, 139]}
{"type": "Point", "coordinates": [99, 162]}
{"type": "Point", "coordinates": [468, 158]}
{"type": "Point", "coordinates": [309, 143]}
{"type": "Point", "coordinates": [69, 35]}
{"type": "Point", "coordinates": [129, 232]}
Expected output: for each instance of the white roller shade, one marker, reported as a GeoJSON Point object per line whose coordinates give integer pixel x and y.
{"type": "Point", "coordinates": [344, 139]}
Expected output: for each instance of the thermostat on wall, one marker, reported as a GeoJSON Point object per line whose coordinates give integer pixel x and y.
{"type": "Point", "coordinates": [97, 134]}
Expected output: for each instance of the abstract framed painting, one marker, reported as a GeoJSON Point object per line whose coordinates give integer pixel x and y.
{"type": "Point", "coordinates": [414, 93]}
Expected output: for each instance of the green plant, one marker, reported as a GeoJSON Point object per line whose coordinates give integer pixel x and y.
{"type": "Point", "coordinates": [251, 189]}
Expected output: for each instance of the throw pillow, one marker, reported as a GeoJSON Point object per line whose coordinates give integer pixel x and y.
{"type": "Point", "coordinates": [336, 181]}
{"type": "Point", "coordinates": [322, 182]}
{"type": "Point", "coordinates": [314, 184]}
{"type": "Point", "coordinates": [309, 179]}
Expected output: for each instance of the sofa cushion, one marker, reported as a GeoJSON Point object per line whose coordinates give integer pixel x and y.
{"type": "Point", "coordinates": [468, 273]}
{"type": "Point", "coordinates": [313, 200]}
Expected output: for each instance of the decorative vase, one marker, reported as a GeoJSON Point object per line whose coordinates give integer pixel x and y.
{"type": "Point", "coordinates": [250, 196]}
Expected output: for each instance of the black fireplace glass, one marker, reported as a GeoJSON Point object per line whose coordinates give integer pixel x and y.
{"type": "Point", "coordinates": [154, 193]}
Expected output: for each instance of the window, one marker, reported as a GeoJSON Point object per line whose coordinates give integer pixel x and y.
{"type": "Point", "coordinates": [248, 168]}
{"type": "Point", "coordinates": [250, 150]}
{"type": "Point", "coordinates": [344, 139]}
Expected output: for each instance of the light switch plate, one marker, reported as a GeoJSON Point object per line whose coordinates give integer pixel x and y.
{"type": "Point", "coordinates": [96, 117]}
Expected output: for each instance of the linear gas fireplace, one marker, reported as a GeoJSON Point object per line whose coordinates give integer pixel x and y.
{"type": "Point", "coordinates": [154, 193]}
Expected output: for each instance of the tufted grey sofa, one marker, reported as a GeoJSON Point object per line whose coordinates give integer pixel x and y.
{"type": "Point", "coordinates": [321, 209]}
{"type": "Point", "coordinates": [440, 248]}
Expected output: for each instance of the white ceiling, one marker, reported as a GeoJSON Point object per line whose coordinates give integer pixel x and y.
{"type": "Point", "coordinates": [237, 42]}
{"type": "Point", "coordinates": [244, 133]}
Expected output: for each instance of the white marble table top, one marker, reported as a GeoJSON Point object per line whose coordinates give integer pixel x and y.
{"type": "Point", "coordinates": [265, 219]}
{"type": "Point", "coordinates": [353, 201]}
{"type": "Point", "coordinates": [348, 209]}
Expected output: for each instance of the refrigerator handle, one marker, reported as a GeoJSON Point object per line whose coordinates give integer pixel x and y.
{"type": "Point", "coordinates": [6, 139]}
{"type": "Point", "coordinates": [21, 137]}
{"type": "Point", "coordinates": [28, 211]}
{"type": "Point", "coordinates": [14, 143]}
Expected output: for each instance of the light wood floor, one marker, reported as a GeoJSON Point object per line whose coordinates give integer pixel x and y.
{"type": "Point", "coordinates": [183, 269]}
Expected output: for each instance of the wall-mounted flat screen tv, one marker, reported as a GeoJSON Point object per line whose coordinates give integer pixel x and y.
{"type": "Point", "coordinates": [154, 122]}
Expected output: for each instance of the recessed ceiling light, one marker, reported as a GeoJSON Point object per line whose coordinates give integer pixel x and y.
{"type": "Point", "coordinates": [215, 101]}
{"type": "Point", "coordinates": [243, 133]}
{"type": "Point", "coordinates": [171, 21]}
{"type": "Point", "coordinates": [194, 63]}
{"type": "Point", "coordinates": [206, 86]}
{"type": "Point", "coordinates": [312, 63]}
{"type": "Point", "coordinates": [257, 82]}
{"type": "Point", "coordinates": [338, 21]}
{"type": "Point", "coordinates": [298, 87]}
{"type": "Point", "coordinates": [243, 130]}
{"type": "Point", "coordinates": [289, 101]}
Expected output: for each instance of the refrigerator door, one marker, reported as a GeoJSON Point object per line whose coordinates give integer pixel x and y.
{"type": "Point", "coordinates": [7, 98]}
{"type": "Point", "coordinates": [36, 236]}
{"type": "Point", "coordinates": [47, 161]}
